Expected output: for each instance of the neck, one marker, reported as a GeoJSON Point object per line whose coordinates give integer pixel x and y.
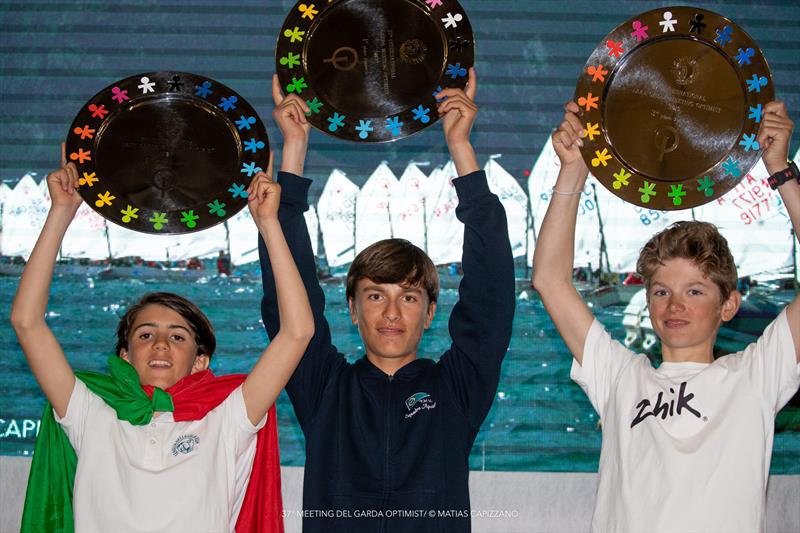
{"type": "Point", "coordinates": [390, 365]}
{"type": "Point", "coordinates": [689, 354]}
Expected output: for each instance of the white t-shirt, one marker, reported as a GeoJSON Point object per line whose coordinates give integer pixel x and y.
{"type": "Point", "coordinates": [687, 446]}
{"type": "Point", "coordinates": [164, 476]}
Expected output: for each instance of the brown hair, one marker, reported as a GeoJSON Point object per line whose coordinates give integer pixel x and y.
{"type": "Point", "coordinates": [394, 261]}
{"type": "Point", "coordinates": [699, 242]}
{"type": "Point", "coordinates": [201, 326]}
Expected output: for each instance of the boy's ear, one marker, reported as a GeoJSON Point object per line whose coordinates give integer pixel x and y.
{"type": "Point", "coordinates": [431, 312]}
{"type": "Point", "coordinates": [123, 354]}
{"type": "Point", "coordinates": [351, 304]}
{"type": "Point", "coordinates": [731, 306]}
{"type": "Point", "coordinates": [201, 363]}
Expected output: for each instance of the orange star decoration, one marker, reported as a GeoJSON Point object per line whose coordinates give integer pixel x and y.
{"type": "Point", "coordinates": [588, 102]}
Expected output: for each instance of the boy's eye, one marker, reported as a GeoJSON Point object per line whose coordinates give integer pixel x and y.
{"type": "Point", "coordinates": [178, 337]}
{"type": "Point", "coordinates": [410, 299]}
{"type": "Point", "coordinates": [659, 292]}
{"type": "Point", "coordinates": [374, 297]}
{"type": "Point", "coordinates": [695, 292]}
{"type": "Point", "coordinates": [145, 336]}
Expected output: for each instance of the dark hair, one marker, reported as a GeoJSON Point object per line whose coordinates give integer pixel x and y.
{"type": "Point", "coordinates": [394, 261]}
{"type": "Point", "coordinates": [699, 242]}
{"type": "Point", "coordinates": [201, 326]}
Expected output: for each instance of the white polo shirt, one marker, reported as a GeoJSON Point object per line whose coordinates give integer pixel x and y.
{"type": "Point", "coordinates": [164, 476]}
{"type": "Point", "coordinates": [686, 446]}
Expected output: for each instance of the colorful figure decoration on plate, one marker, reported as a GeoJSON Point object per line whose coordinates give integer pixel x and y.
{"type": "Point", "coordinates": [167, 152]}
{"type": "Point", "coordinates": [672, 101]}
{"type": "Point", "coordinates": [369, 69]}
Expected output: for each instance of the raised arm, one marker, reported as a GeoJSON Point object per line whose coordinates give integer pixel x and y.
{"type": "Point", "coordinates": [774, 137]}
{"type": "Point", "coordinates": [43, 352]}
{"type": "Point", "coordinates": [555, 247]}
{"type": "Point", "coordinates": [306, 385]}
{"type": "Point", "coordinates": [279, 360]}
{"type": "Point", "coordinates": [481, 321]}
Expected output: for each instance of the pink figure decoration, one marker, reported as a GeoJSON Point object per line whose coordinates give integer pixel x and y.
{"type": "Point", "coordinates": [639, 31]}
{"type": "Point", "coordinates": [119, 95]}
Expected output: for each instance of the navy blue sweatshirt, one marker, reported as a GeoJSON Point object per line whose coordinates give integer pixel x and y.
{"type": "Point", "coordinates": [391, 453]}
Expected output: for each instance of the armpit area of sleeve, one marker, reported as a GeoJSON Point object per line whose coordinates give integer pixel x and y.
{"type": "Point", "coordinates": [239, 412]}
{"type": "Point", "coordinates": [787, 352]}
{"type": "Point", "coordinates": [76, 402]}
{"type": "Point", "coordinates": [582, 372]}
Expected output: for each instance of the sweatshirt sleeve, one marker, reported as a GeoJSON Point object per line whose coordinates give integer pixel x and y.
{"type": "Point", "coordinates": [481, 320]}
{"type": "Point", "coordinates": [321, 359]}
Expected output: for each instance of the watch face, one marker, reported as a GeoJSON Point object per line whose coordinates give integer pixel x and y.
{"type": "Point", "coordinates": [671, 103]}
{"type": "Point", "coordinates": [369, 69]}
{"type": "Point", "coordinates": [167, 152]}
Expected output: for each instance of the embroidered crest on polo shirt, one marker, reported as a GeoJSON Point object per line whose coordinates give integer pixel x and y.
{"type": "Point", "coordinates": [185, 444]}
{"type": "Point", "coordinates": [669, 408]}
{"type": "Point", "coordinates": [420, 401]}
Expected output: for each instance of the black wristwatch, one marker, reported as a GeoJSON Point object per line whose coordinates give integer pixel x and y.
{"type": "Point", "coordinates": [788, 174]}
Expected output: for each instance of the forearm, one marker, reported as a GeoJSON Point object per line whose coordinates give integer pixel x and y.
{"type": "Point", "coordinates": [294, 155]}
{"type": "Point", "coordinates": [555, 248]}
{"type": "Point", "coordinates": [33, 291]}
{"type": "Point", "coordinates": [790, 194]}
{"type": "Point", "coordinates": [463, 156]}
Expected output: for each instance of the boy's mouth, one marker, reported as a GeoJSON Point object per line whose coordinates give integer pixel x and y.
{"type": "Point", "coordinates": [675, 323]}
{"type": "Point", "coordinates": [159, 363]}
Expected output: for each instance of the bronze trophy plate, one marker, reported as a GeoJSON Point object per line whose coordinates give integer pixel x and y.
{"type": "Point", "coordinates": [672, 102]}
{"type": "Point", "coordinates": [369, 69]}
{"type": "Point", "coordinates": [167, 152]}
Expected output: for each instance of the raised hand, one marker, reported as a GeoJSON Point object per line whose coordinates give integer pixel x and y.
{"type": "Point", "coordinates": [62, 184]}
{"type": "Point", "coordinates": [264, 197]}
{"type": "Point", "coordinates": [289, 113]}
{"type": "Point", "coordinates": [290, 116]}
{"type": "Point", "coordinates": [774, 136]}
{"type": "Point", "coordinates": [568, 138]}
{"type": "Point", "coordinates": [458, 111]}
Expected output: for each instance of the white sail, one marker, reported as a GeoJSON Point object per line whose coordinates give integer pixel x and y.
{"type": "Point", "coordinates": [24, 213]}
{"type": "Point", "coordinates": [754, 221]}
{"type": "Point", "coordinates": [126, 243]}
{"type": "Point", "coordinates": [445, 232]}
{"type": "Point", "coordinates": [407, 207]}
{"type": "Point", "coordinates": [627, 227]}
{"type": "Point", "coordinates": [515, 203]}
{"type": "Point", "coordinates": [86, 236]}
{"type": "Point", "coordinates": [337, 211]}
{"type": "Point", "coordinates": [5, 193]}
{"type": "Point", "coordinates": [203, 244]}
{"type": "Point", "coordinates": [540, 187]}
{"type": "Point", "coordinates": [312, 223]}
{"type": "Point", "coordinates": [243, 236]}
{"type": "Point", "coordinates": [373, 217]}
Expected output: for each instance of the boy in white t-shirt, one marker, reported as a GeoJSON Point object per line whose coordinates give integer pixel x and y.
{"type": "Point", "coordinates": [686, 446]}
{"type": "Point", "coordinates": [161, 444]}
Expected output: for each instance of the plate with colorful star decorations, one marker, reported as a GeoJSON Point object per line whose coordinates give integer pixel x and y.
{"type": "Point", "coordinates": [167, 152]}
{"type": "Point", "coordinates": [369, 69]}
{"type": "Point", "coordinates": [671, 104]}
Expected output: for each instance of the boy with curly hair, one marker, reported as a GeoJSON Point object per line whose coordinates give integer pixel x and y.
{"type": "Point", "coordinates": [686, 446]}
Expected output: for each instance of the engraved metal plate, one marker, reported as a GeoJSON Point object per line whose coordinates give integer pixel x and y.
{"type": "Point", "coordinates": [369, 69]}
{"type": "Point", "coordinates": [167, 152]}
{"type": "Point", "coordinates": [672, 102]}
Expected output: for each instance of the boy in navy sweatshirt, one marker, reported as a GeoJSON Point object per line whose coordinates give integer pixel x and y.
{"type": "Point", "coordinates": [388, 437]}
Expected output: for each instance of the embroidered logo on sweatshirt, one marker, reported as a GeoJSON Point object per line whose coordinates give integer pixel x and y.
{"type": "Point", "coordinates": [420, 401]}
{"type": "Point", "coordinates": [185, 444]}
{"type": "Point", "coordinates": [663, 408]}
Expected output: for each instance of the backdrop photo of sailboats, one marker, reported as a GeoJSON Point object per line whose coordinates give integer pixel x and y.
{"type": "Point", "coordinates": [419, 207]}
